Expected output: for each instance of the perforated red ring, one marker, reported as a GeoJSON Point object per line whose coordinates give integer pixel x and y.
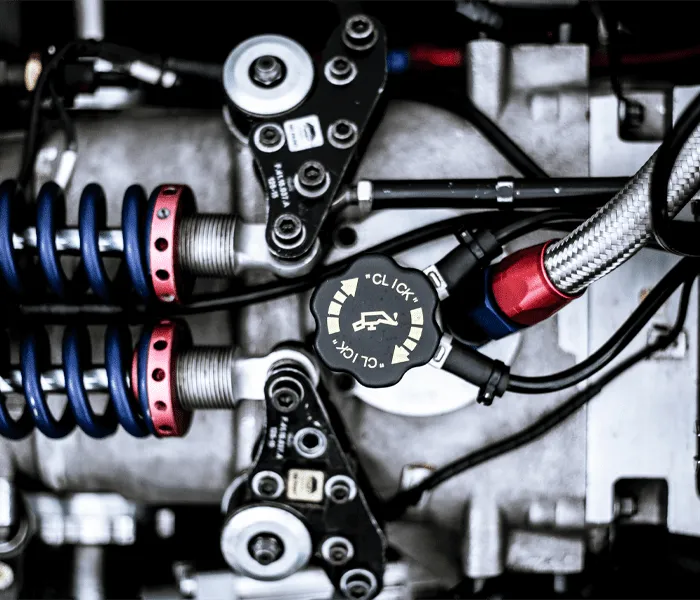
{"type": "Point", "coordinates": [172, 203]}
{"type": "Point", "coordinates": [169, 418]}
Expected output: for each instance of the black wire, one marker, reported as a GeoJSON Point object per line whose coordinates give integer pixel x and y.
{"type": "Point", "coordinates": [502, 142]}
{"type": "Point", "coordinates": [397, 505]}
{"type": "Point", "coordinates": [31, 140]}
{"type": "Point", "coordinates": [633, 110]}
{"type": "Point", "coordinates": [677, 237]}
{"type": "Point", "coordinates": [66, 121]}
{"type": "Point", "coordinates": [227, 300]}
{"type": "Point", "coordinates": [460, 105]}
{"type": "Point", "coordinates": [618, 342]}
{"type": "Point", "coordinates": [529, 224]}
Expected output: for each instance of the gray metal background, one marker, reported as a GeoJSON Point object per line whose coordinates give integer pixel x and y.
{"type": "Point", "coordinates": [511, 507]}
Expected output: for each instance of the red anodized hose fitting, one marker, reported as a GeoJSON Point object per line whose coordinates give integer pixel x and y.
{"type": "Point", "coordinates": [522, 289]}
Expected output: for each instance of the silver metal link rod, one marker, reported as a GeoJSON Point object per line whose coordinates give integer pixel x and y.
{"type": "Point", "coordinates": [205, 377]}
{"type": "Point", "coordinates": [209, 245]}
{"type": "Point", "coordinates": [622, 227]}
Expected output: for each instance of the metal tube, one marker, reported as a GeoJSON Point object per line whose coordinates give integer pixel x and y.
{"type": "Point", "coordinates": [54, 381]}
{"type": "Point", "coordinates": [90, 19]}
{"type": "Point", "coordinates": [68, 240]}
{"type": "Point", "coordinates": [505, 192]}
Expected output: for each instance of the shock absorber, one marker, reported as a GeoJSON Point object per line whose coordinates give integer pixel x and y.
{"type": "Point", "coordinates": [164, 243]}
{"type": "Point", "coordinates": [152, 389]}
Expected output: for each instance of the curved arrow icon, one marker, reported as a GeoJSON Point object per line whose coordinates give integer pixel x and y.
{"type": "Point", "coordinates": [349, 286]}
{"type": "Point", "coordinates": [400, 355]}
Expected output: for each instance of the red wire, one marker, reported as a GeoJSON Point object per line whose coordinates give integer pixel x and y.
{"type": "Point", "coordinates": [602, 59]}
{"type": "Point", "coordinates": [438, 57]}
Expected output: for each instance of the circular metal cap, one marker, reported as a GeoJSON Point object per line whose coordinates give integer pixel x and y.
{"type": "Point", "coordinates": [248, 524]}
{"type": "Point", "coordinates": [254, 99]}
{"type": "Point", "coordinates": [376, 321]}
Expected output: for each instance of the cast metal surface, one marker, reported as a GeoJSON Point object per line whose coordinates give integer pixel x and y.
{"type": "Point", "coordinates": [544, 109]}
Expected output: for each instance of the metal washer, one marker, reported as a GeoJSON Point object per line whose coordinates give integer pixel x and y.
{"type": "Point", "coordinates": [244, 525]}
{"type": "Point", "coordinates": [253, 99]}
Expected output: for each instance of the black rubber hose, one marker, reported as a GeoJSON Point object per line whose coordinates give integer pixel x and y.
{"type": "Point", "coordinates": [459, 104]}
{"type": "Point", "coordinates": [395, 507]}
{"type": "Point", "coordinates": [504, 193]}
{"type": "Point", "coordinates": [684, 269]}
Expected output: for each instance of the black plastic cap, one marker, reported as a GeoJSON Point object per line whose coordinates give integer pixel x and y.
{"type": "Point", "coordinates": [376, 321]}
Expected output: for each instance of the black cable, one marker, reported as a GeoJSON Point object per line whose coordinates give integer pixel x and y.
{"type": "Point", "coordinates": [462, 106]}
{"type": "Point", "coordinates": [502, 142]}
{"type": "Point", "coordinates": [261, 293]}
{"type": "Point", "coordinates": [529, 224]}
{"type": "Point", "coordinates": [618, 342]}
{"type": "Point", "coordinates": [66, 121]}
{"type": "Point", "coordinates": [31, 140]}
{"type": "Point", "coordinates": [678, 237]}
{"type": "Point", "coordinates": [632, 112]}
{"type": "Point", "coordinates": [75, 49]}
{"type": "Point", "coordinates": [397, 505]}
{"type": "Point", "coordinates": [498, 194]}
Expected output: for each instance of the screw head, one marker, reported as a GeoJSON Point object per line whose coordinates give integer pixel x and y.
{"type": "Point", "coordinates": [270, 136]}
{"type": "Point", "coordinates": [267, 486]}
{"type": "Point", "coordinates": [341, 67]}
{"type": "Point", "coordinates": [340, 70]}
{"type": "Point", "coordinates": [360, 33]}
{"type": "Point", "coordinates": [338, 554]}
{"type": "Point", "coordinates": [163, 213]}
{"type": "Point", "coordinates": [285, 399]}
{"type": "Point", "coordinates": [312, 175]}
{"type": "Point", "coordinates": [340, 492]}
{"type": "Point", "coordinates": [359, 27]}
{"type": "Point", "coordinates": [266, 548]}
{"type": "Point", "coordinates": [267, 71]}
{"type": "Point", "coordinates": [342, 133]}
{"type": "Point", "coordinates": [288, 227]}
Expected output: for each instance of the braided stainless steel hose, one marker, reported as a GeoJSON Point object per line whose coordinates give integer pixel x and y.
{"type": "Point", "coordinates": [622, 227]}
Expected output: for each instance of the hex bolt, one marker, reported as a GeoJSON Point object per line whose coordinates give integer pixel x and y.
{"type": "Point", "coordinates": [288, 230]}
{"type": "Point", "coordinates": [266, 548]}
{"type": "Point", "coordinates": [267, 71]}
{"type": "Point", "coordinates": [360, 33]}
{"type": "Point", "coordinates": [340, 70]}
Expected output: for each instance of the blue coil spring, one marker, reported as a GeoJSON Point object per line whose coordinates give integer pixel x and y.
{"type": "Point", "coordinates": [123, 409]}
{"type": "Point", "coordinates": [92, 217]}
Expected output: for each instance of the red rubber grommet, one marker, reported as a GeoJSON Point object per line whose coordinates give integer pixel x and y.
{"type": "Point", "coordinates": [169, 418]}
{"type": "Point", "coordinates": [171, 204]}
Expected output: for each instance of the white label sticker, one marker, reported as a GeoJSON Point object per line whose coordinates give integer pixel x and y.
{"type": "Point", "coordinates": [305, 485]}
{"type": "Point", "coordinates": [303, 133]}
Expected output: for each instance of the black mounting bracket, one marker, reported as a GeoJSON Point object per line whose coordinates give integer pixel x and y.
{"type": "Point", "coordinates": [311, 148]}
